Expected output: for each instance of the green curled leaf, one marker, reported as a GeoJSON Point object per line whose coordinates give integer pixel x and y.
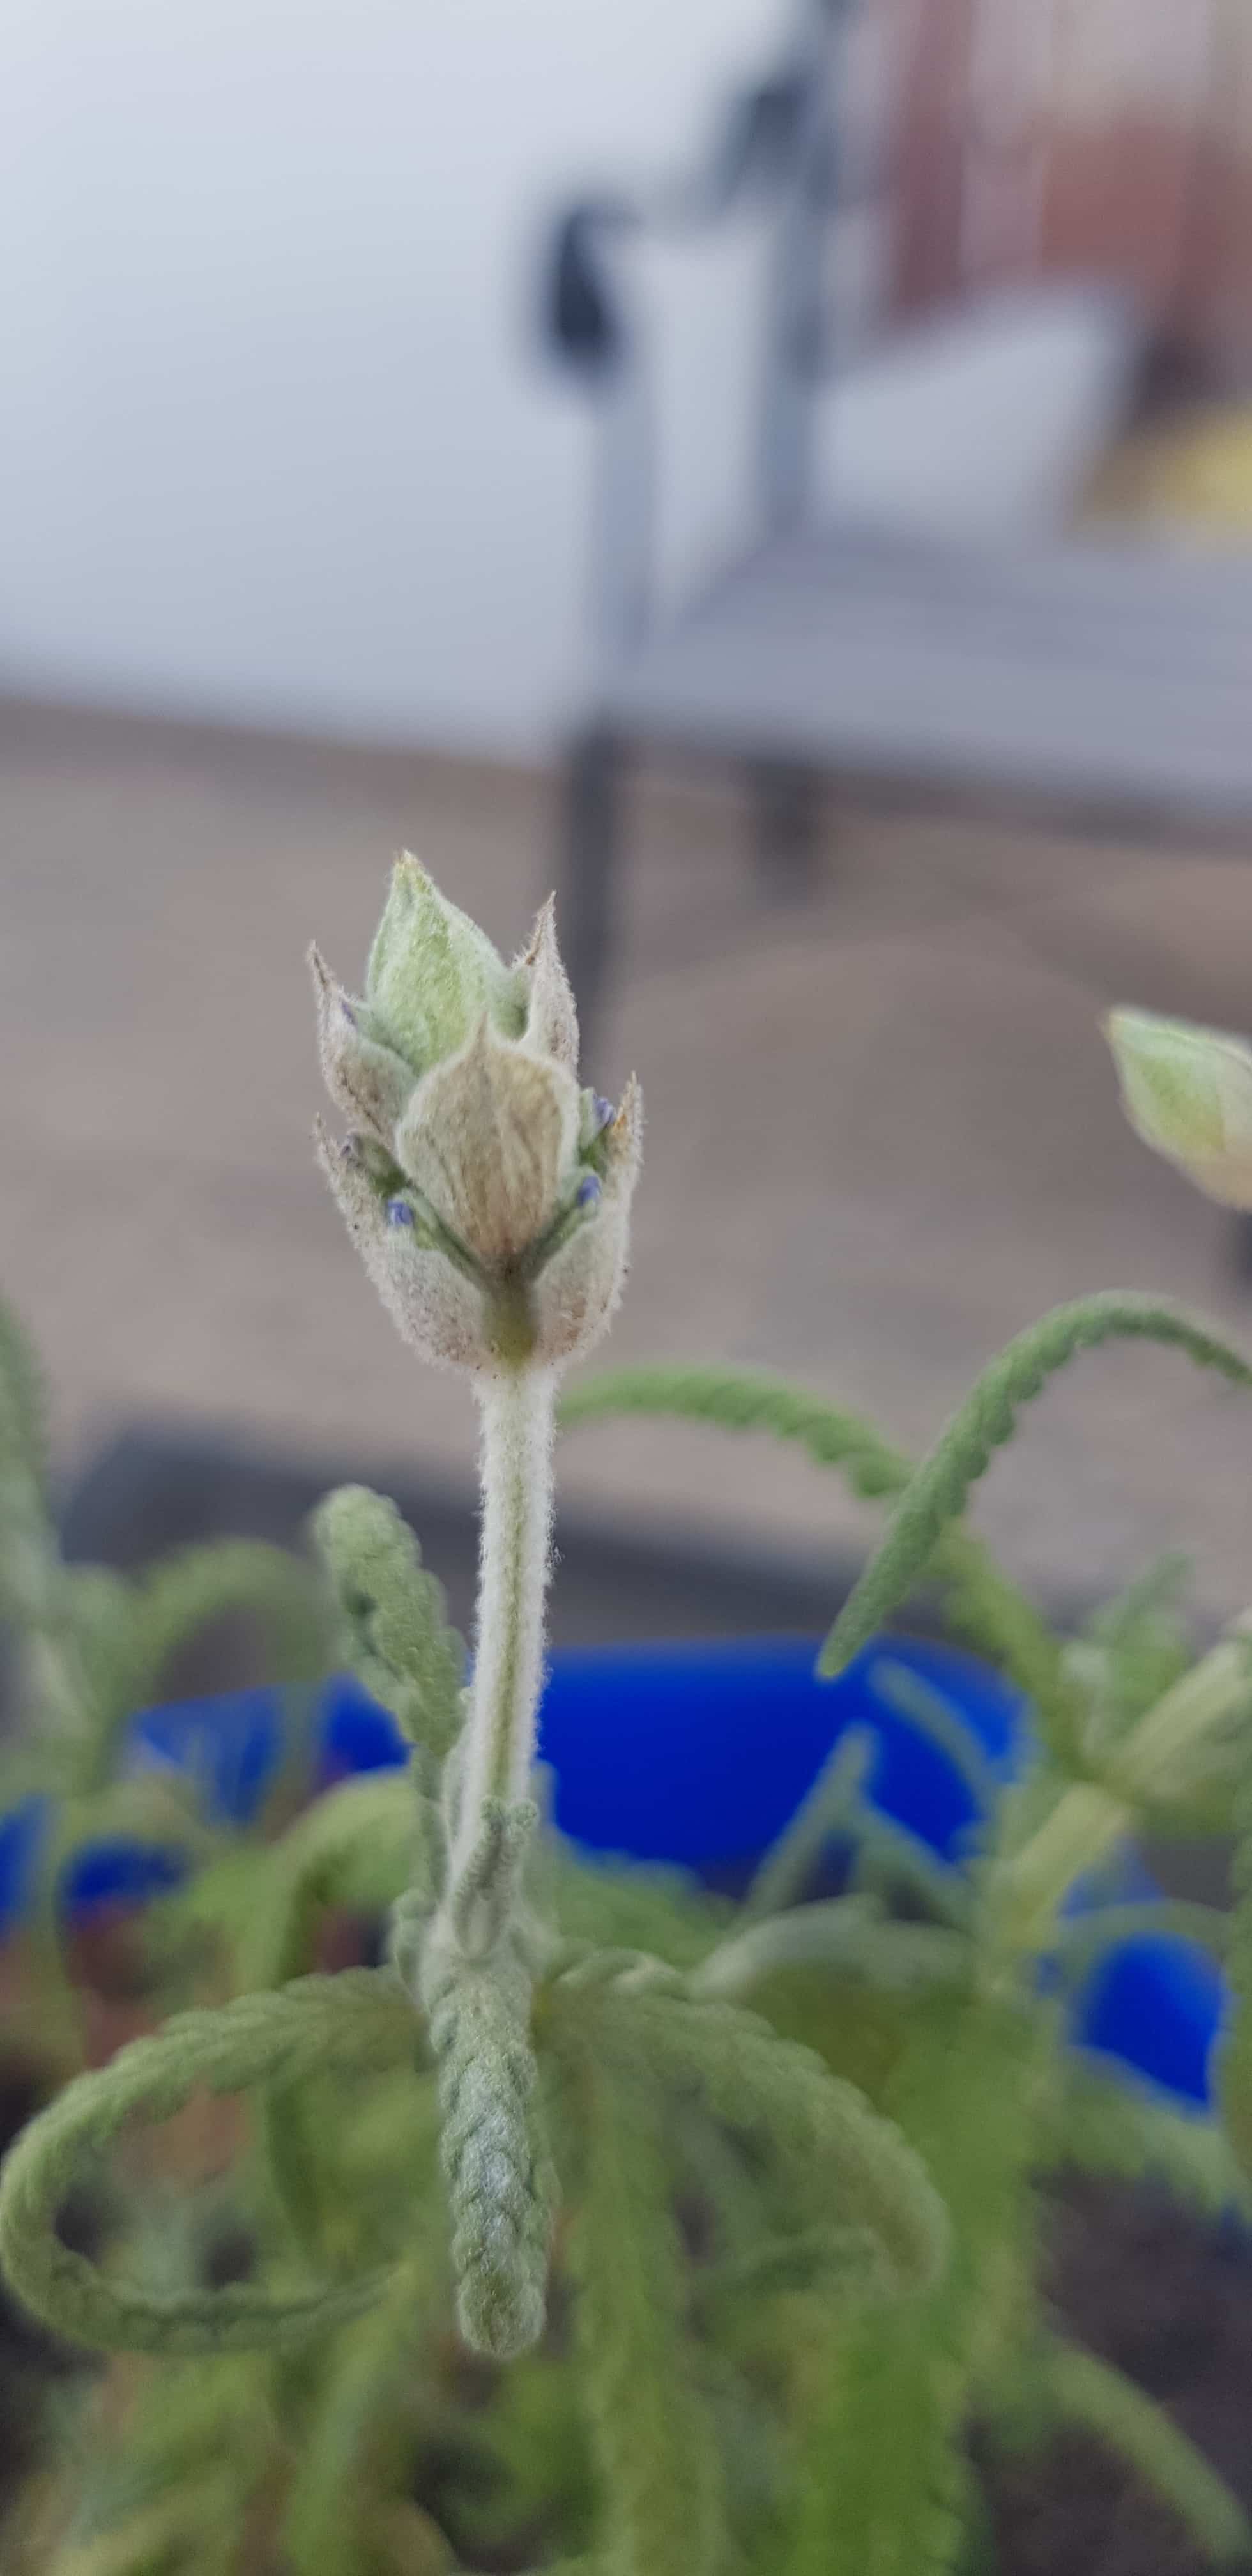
{"type": "Point", "coordinates": [1235, 2058]}
{"type": "Point", "coordinates": [932, 1714]}
{"type": "Point", "coordinates": [393, 1613]}
{"type": "Point", "coordinates": [850, 1936]}
{"type": "Point", "coordinates": [1124, 2129]}
{"type": "Point", "coordinates": [654, 2439]}
{"type": "Point", "coordinates": [369, 2369]}
{"type": "Point", "coordinates": [980, 1603]}
{"type": "Point", "coordinates": [747, 1400]}
{"type": "Point", "coordinates": [354, 1846]}
{"type": "Point", "coordinates": [23, 1405]}
{"type": "Point", "coordinates": [1133, 1651]}
{"type": "Point", "coordinates": [360, 2019]}
{"type": "Point", "coordinates": [181, 1593]}
{"type": "Point", "coordinates": [882, 2417]}
{"type": "Point", "coordinates": [128, 1633]}
{"type": "Point", "coordinates": [838, 2160]}
{"type": "Point", "coordinates": [493, 2157]}
{"type": "Point", "coordinates": [940, 1490]}
{"type": "Point", "coordinates": [32, 1581]}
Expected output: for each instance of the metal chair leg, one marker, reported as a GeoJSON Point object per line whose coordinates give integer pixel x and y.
{"type": "Point", "coordinates": [586, 894]}
{"type": "Point", "coordinates": [1239, 1245]}
{"type": "Point", "coordinates": [788, 807]}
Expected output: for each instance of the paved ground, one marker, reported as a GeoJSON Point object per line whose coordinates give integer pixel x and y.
{"type": "Point", "coordinates": [882, 1130]}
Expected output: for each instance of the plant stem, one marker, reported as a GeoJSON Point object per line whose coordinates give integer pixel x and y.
{"type": "Point", "coordinates": [1085, 1824]}
{"type": "Point", "coordinates": [517, 1428]}
{"type": "Point", "coordinates": [1156, 1758]}
{"type": "Point", "coordinates": [1094, 2394]}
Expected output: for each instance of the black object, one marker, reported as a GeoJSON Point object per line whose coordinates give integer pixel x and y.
{"type": "Point", "coordinates": [154, 1488]}
{"type": "Point", "coordinates": [581, 324]}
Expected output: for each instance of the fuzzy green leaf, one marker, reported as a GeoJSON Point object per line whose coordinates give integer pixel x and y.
{"type": "Point", "coordinates": [883, 2485]}
{"type": "Point", "coordinates": [1123, 2129]}
{"type": "Point", "coordinates": [191, 2453]}
{"type": "Point", "coordinates": [1134, 1650]}
{"type": "Point", "coordinates": [492, 2153]}
{"type": "Point", "coordinates": [980, 1603]}
{"type": "Point", "coordinates": [884, 2495]}
{"type": "Point", "coordinates": [850, 1936]}
{"type": "Point", "coordinates": [181, 1594]}
{"type": "Point", "coordinates": [1235, 2060]}
{"type": "Point", "coordinates": [938, 1493]}
{"type": "Point", "coordinates": [344, 2458]}
{"type": "Point", "coordinates": [23, 1406]}
{"type": "Point", "coordinates": [32, 1583]}
{"type": "Point", "coordinates": [393, 1614]}
{"type": "Point", "coordinates": [835, 2159]}
{"type": "Point", "coordinates": [358, 2019]}
{"type": "Point", "coordinates": [351, 1847]}
{"type": "Point", "coordinates": [933, 1715]}
{"type": "Point", "coordinates": [662, 2480]}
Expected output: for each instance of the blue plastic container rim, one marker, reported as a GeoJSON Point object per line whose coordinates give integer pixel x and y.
{"type": "Point", "coordinates": [692, 1755]}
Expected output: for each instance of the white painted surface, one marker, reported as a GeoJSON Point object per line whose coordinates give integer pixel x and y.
{"type": "Point", "coordinates": [985, 422]}
{"type": "Point", "coordinates": [274, 442]}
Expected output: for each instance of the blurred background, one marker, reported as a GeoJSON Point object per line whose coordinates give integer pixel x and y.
{"type": "Point", "coordinates": [782, 472]}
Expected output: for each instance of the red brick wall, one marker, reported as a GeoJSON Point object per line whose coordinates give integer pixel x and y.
{"type": "Point", "coordinates": [1108, 136]}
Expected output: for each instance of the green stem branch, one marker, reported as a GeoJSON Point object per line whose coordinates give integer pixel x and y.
{"type": "Point", "coordinates": [499, 1741]}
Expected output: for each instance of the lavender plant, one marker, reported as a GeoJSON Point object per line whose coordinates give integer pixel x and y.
{"type": "Point", "coordinates": [89, 1648]}
{"type": "Point", "coordinates": [737, 2209]}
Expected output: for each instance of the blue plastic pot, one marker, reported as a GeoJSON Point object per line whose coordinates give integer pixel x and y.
{"type": "Point", "coordinates": [698, 1754]}
{"type": "Point", "coordinates": [694, 1755]}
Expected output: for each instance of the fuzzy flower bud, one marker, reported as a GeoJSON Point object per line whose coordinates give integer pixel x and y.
{"type": "Point", "coordinates": [433, 974]}
{"type": "Point", "coordinates": [1187, 1092]}
{"type": "Point", "coordinates": [488, 1196]}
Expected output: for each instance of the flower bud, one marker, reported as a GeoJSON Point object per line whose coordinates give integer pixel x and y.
{"type": "Point", "coordinates": [577, 1290]}
{"type": "Point", "coordinates": [489, 1139]}
{"type": "Point", "coordinates": [431, 1300]}
{"type": "Point", "coordinates": [488, 1196]}
{"type": "Point", "coordinates": [551, 1020]}
{"type": "Point", "coordinates": [1187, 1092]}
{"type": "Point", "coordinates": [364, 1078]}
{"type": "Point", "coordinates": [433, 974]}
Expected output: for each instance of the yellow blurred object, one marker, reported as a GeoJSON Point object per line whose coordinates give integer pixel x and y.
{"type": "Point", "coordinates": [1194, 472]}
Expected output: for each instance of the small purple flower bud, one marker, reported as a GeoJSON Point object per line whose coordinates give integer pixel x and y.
{"type": "Point", "coordinates": [604, 1112]}
{"type": "Point", "coordinates": [399, 1212]}
{"type": "Point", "coordinates": [588, 1194]}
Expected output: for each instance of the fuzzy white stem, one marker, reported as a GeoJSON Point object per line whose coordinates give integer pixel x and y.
{"type": "Point", "coordinates": [518, 1412]}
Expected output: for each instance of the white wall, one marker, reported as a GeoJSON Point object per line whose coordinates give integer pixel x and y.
{"type": "Point", "coordinates": [273, 444]}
